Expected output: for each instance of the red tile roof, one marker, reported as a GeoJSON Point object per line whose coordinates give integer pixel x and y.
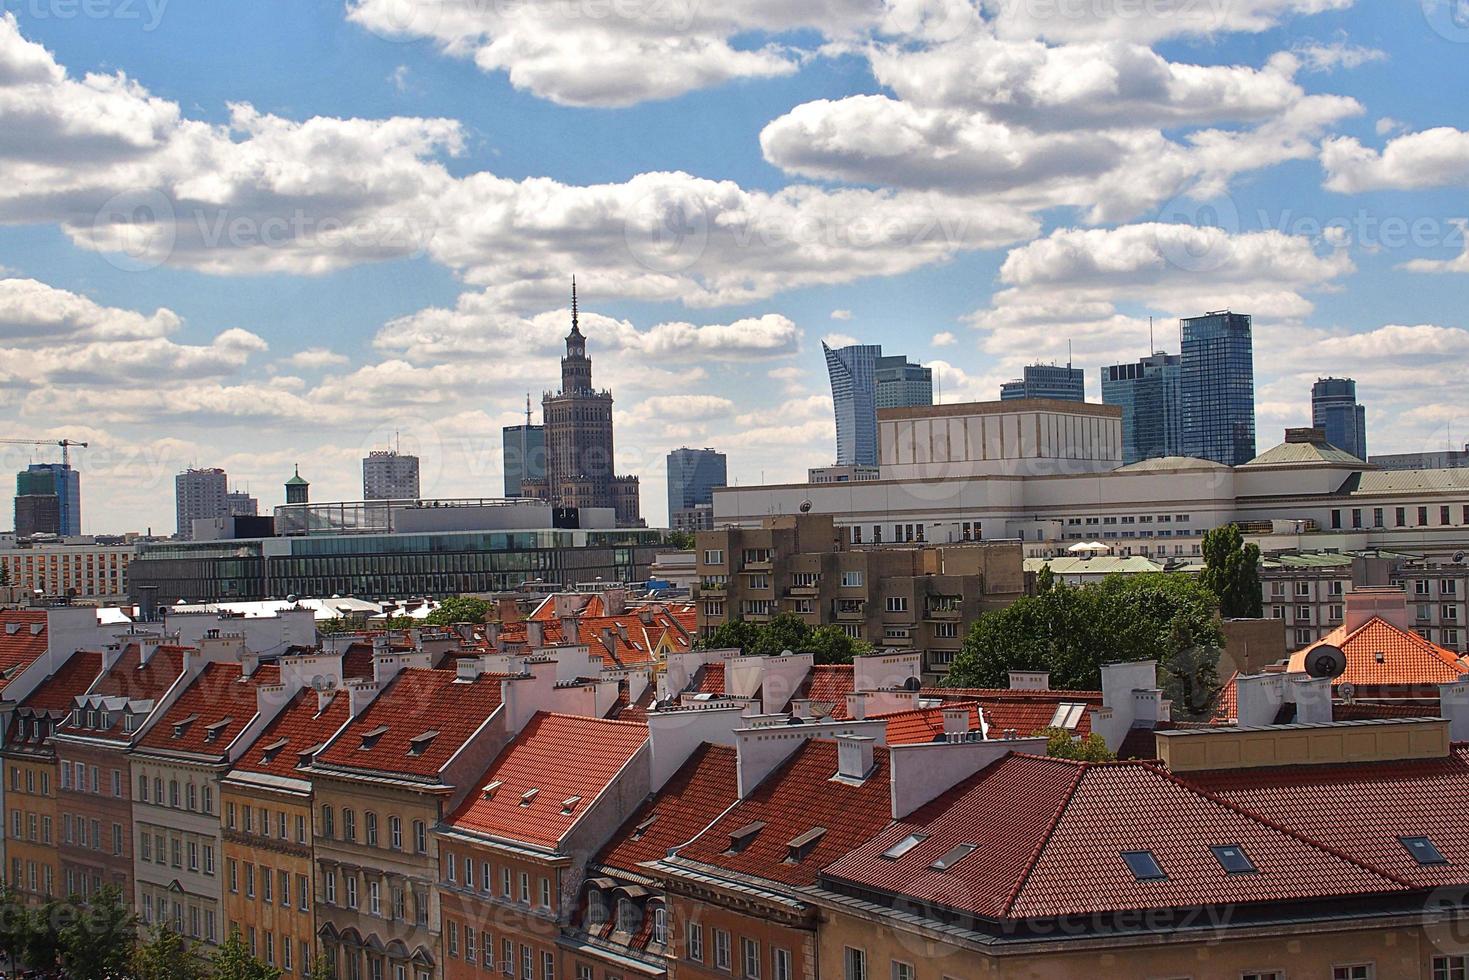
{"type": "Point", "coordinates": [1363, 808]}
{"type": "Point", "coordinates": [130, 678]}
{"type": "Point", "coordinates": [799, 797]}
{"type": "Point", "coordinates": [1049, 837]}
{"type": "Point", "coordinates": [922, 725]}
{"type": "Point", "coordinates": [539, 761]}
{"type": "Point", "coordinates": [1381, 654]}
{"type": "Point", "coordinates": [391, 735]}
{"type": "Point", "coordinates": [58, 692]}
{"type": "Point", "coordinates": [709, 679]}
{"type": "Point", "coordinates": [702, 789]}
{"type": "Point", "coordinates": [211, 711]}
{"type": "Point", "coordinates": [1027, 712]}
{"type": "Point", "coordinates": [621, 640]}
{"type": "Point", "coordinates": [22, 648]}
{"type": "Point", "coordinates": [828, 684]}
{"type": "Point", "coordinates": [300, 726]}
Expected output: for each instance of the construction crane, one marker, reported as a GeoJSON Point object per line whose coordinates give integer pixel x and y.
{"type": "Point", "coordinates": [65, 445]}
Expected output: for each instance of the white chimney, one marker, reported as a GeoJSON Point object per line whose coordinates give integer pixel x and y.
{"type": "Point", "coordinates": [1258, 698]}
{"type": "Point", "coordinates": [535, 634]}
{"type": "Point", "coordinates": [956, 720]}
{"type": "Point", "coordinates": [923, 771]}
{"type": "Point", "coordinates": [1312, 696]}
{"type": "Point", "coordinates": [854, 756]}
{"type": "Point", "coordinates": [1030, 680]}
{"type": "Point", "coordinates": [1453, 704]}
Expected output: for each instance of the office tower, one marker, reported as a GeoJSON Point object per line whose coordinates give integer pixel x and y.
{"type": "Point", "coordinates": [199, 494]}
{"type": "Point", "coordinates": [60, 481]}
{"type": "Point", "coordinates": [901, 383]}
{"type": "Point", "coordinates": [390, 475]}
{"type": "Point", "coordinates": [1217, 388]}
{"type": "Point", "coordinates": [862, 381]}
{"type": "Point", "coordinates": [37, 513]}
{"type": "Point", "coordinates": [298, 491]}
{"type": "Point", "coordinates": [692, 476]}
{"type": "Point", "coordinates": [1334, 408]}
{"type": "Point", "coordinates": [579, 439]}
{"type": "Point", "coordinates": [239, 503]}
{"type": "Point", "coordinates": [1066, 384]}
{"type": "Point", "coordinates": [1147, 392]}
{"type": "Point", "coordinates": [523, 449]}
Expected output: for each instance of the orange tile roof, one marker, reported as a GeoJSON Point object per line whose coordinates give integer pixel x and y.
{"type": "Point", "coordinates": [540, 795]}
{"type": "Point", "coordinates": [58, 692]}
{"type": "Point", "coordinates": [22, 648]}
{"type": "Point", "coordinates": [797, 798]}
{"type": "Point", "coordinates": [300, 726]}
{"type": "Point", "coordinates": [1026, 712]}
{"type": "Point", "coordinates": [922, 724]}
{"type": "Point", "coordinates": [702, 789]}
{"type": "Point", "coordinates": [211, 711]}
{"type": "Point", "coordinates": [392, 734]}
{"type": "Point", "coordinates": [828, 684]}
{"type": "Point", "coordinates": [709, 679]}
{"type": "Point", "coordinates": [621, 640]}
{"type": "Point", "coordinates": [130, 678]}
{"type": "Point", "coordinates": [1380, 654]}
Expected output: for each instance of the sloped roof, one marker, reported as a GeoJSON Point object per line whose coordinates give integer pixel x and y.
{"type": "Point", "coordinates": [1306, 454]}
{"type": "Point", "coordinates": [1379, 653]}
{"type": "Point", "coordinates": [24, 647]}
{"type": "Point", "coordinates": [564, 762]}
{"type": "Point", "coordinates": [702, 789]}
{"type": "Point", "coordinates": [799, 797]}
{"type": "Point", "coordinates": [1050, 836]}
{"type": "Point", "coordinates": [621, 640]}
{"type": "Point", "coordinates": [58, 692]}
{"type": "Point", "coordinates": [1170, 463]}
{"type": "Point", "coordinates": [211, 711]}
{"type": "Point", "coordinates": [302, 725]}
{"type": "Point", "coordinates": [922, 724]}
{"type": "Point", "coordinates": [416, 724]}
{"type": "Point", "coordinates": [1027, 712]}
{"type": "Point", "coordinates": [129, 677]}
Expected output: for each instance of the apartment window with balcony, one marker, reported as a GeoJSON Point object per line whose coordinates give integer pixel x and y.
{"type": "Point", "coordinates": [756, 556]}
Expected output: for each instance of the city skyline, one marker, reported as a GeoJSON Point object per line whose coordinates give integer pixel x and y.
{"type": "Point", "coordinates": [245, 335]}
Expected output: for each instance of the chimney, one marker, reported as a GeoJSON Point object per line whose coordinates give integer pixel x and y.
{"type": "Point", "coordinates": [1390, 604]}
{"type": "Point", "coordinates": [1030, 680]}
{"type": "Point", "coordinates": [535, 634]}
{"type": "Point", "coordinates": [1453, 704]}
{"type": "Point", "coordinates": [249, 662]}
{"type": "Point", "coordinates": [854, 756]}
{"type": "Point", "coordinates": [1313, 699]}
{"type": "Point", "coordinates": [1258, 698]}
{"type": "Point", "coordinates": [465, 631]}
{"type": "Point", "coordinates": [857, 705]}
{"type": "Point", "coordinates": [570, 633]}
{"type": "Point", "coordinates": [956, 720]}
{"type": "Point", "coordinates": [492, 635]}
{"type": "Point", "coordinates": [614, 601]}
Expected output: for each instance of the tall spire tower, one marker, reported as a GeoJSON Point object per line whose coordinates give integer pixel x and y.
{"type": "Point", "coordinates": [576, 367]}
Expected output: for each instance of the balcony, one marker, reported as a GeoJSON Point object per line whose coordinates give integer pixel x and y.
{"type": "Point", "coordinates": [944, 614]}
{"type": "Point", "coordinates": [804, 590]}
{"type": "Point", "coordinates": [714, 587]}
{"type": "Point", "coordinates": [850, 610]}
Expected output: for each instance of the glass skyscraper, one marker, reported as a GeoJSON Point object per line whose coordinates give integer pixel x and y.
{"type": "Point", "coordinates": [692, 476]}
{"type": "Point", "coordinates": [1066, 384]}
{"type": "Point", "coordinates": [1217, 388]}
{"type": "Point", "coordinates": [60, 480]}
{"type": "Point", "coordinates": [862, 381]}
{"type": "Point", "coordinates": [1334, 408]}
{"type": "Point", "coordinates": [1147, 393]}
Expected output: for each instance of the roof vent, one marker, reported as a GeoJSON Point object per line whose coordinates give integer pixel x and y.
{"type": "Point", "coordinates": [37, 629]}
{"type": "Point", "coordinates": [12, 628]}
{"type": "Point", "coordinates": [529, 796]}
{"type": "Point", "coordinates": [183, 725]}
{"type": "Point", "coordinates": [370, 737]}
{"type": "Point", "coordinates": [569, 804]}
{"type": "Point", "coordinates": [642, 829]}
{"type": "Point", "coordinates": [799, 848]}
{"type": "Point", "coordinates": [419, 744]}
{"type": "Point", "coordinates": [269, 752]}
{"type": "Point", "coordinates": [491, 789]}
{"type": "Point", "coordinates": [953, 856]}
{"type": "Point", "coordinates": [744, 837]}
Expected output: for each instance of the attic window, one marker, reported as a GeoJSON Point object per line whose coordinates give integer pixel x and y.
{"type": "Point", "coordinates": [1233, 859]}
{"type": "Point", "coordinates": [419, 744]}
{"type": "Point", "coordinates": [1144, 866]}
{"type": "Point", "coordinates": [1379, 657]}
{"type": "Point", "coordinates": [491, 789]}
{"type": "Point", "coordinates": [529, 796]}
{"type": "Point", "coordinates": [269, 752]}
{"type": "Point", "coordinates": [369, 738]}
{"type": "Point", "coordinates": [1423, 850]}
{"type": "Point", "coordinates": [183, 726]}
{"type": "Point", "coordinates": [641, 829]}
{"type": "Point", "coordinates": [1068, 715]}
{"type": "Point", "coordinates": [212, 732]}
{"type": "Point", "coordinates": [570, 804]}
{"type": "Point", "coordinates": [953, 856]}
{"type": "Point", "coordinates": [799, 848]}
{"type": "Point", "coordinates": [744, 837]}
{"type": "Point", "coordinates": [904, 846]}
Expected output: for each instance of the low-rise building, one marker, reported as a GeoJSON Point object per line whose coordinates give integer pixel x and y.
{"type": "Point", "coordinates": [80, 569]}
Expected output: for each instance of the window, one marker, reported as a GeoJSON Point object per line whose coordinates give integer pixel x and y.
{"type": "Point", "coordinates": [1451, 968]}
{"type": "Point", "coordinates": [750, 958]}
{"type": "Point", "coordinates": [1143, 865]}
{"type": "Point", "coordinates": [1423, 850]}
{"type": "Point", "coordinates": [852, 579]}
{"type": "Point", "coordinates": [1233, 859]}
{"type": "Point", "coordinates": [953, 856]}
{"type": "Point", "coordinates": [1262, 975]}
{"type": "Point", "coordinates": [780, 964]}
{"type": "Point", "coordinates": [395, 833]}
{"type": "Point", "coordinates": [548, 967]}
{"type": "Point", "coordinates": [713, 556]}
{"type": "Point", "coordinates": [721, 949]}
{"type": "Point", "coordinates": [696, 942]}
{"type": "Point", "coordinates": [897, 604]}
{"type": "Point", "coordinates": [1353, 971]}
{"type": "Point", "coordinates": [902, 971]}
{"type": "Point", "coordinates": [420, 837]}
{"type": "Point", "coordinates": [351, 882]}
{"type": "Point", "coordinates": [524, 888]}
{"type": "Point", "coordinates": [855, 963]}
{"type": "Point", "coordinates": [545, 884]}
{"type": "Point", "coordinates": [328, 825]}
{"type": "Point", "coordinates": [660, 925]}
{"type": "Point", "coordinates": [370, 820]}
{"type": "Point", "coordinates": [349, 825]}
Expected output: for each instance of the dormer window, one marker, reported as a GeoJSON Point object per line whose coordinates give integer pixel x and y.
{"type": "Point", "coordinates": [596, 907]}
{"type": "Point", "coordinates": [569, 805]}
{"type": "Point", "coordinates": [799, 848]}
{"type": "Point", "coordinates": [744, 837]}
{"type": "Point", "coordinates": [491, 788]}
{"type": "Point", "coordinates": [419, 744]}
{"type": "Point", "coordinates": [529, 796]}
{"type": "Point", "coordinates": [629, 917]}
{"type": "Point", "coordinates": [370, 737]}
{"type": "Point", "coordinates": [268, 754]}
{"type": "Point", "coordinates": [182, 726]}
{"type": "Point", "coordinates": [213, 732]}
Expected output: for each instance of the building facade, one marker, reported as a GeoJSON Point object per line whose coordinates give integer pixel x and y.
{"type": "Point", "coordinates": [692, 476]}
{"type": "Point", "coordinates": [239, 503]}
{"type": "Point", "coordinates": [1217, 387]}
{"type": "Point", "coordinates": [390, 475]}
{"type": "Point", "coordinates": [1447, 459]}
{"type": "Point", "coordinates": [1147, 391]}
{"type": "Point", "coordinates": [37, 514]}
{"type": "Point", "coordinates": [62, 482]}
{"type": "Point", "coordinates": [580, 452]}
{"type": "Point", "coordinates": [901, 383]}
{"type": "Point", "coordinates": [78, 570]}
{"type": "Point", "coordinates": [199, 495]}
{"type": "Point", "coordinates": [853, 371]}
{"type": "Point", "coordinates": [1334, 409]}
{"type": "Point", "coordinates": [1053, 381]}
{"type": "Point", "coordinates": [524, 452]}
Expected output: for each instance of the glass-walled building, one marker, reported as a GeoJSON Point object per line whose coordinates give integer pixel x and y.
{"type": "Point", "coordinates": [1147, 392]}
{"type": "Point", "coordinates": [1217, 388]}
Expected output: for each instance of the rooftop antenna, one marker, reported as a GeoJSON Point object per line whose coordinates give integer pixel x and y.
{"type": "Point", "coordinates": [1068, 351]}
{"type": "Point", "coordinates": [1152, 348]}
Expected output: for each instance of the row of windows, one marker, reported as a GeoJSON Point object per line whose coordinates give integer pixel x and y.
{"type": "Point", "coordinates": [28, 826]}
{"type": "Point", "coordinates": [252, 820]}
{"type": "Point", "coordinates": [480, 949]}
{"type": "Point", "coordinates": [394, 836]}
{"type": "Point", "coordinates": [513, 887]}
{"type": "Point", "coordinates": [200, 923]}
{"type": "Point", "coordinates": [82, 832]}
{"type": "Point", "coordinates": [752, 961]}
{"type": "Point", "coordinates": [274, 885]}
{"type": "Point", "coordinates": [263, 946]}
{"type": "Point", "coordinates": [27, 777]}
{"type": "Point", "coordinates": [78, 777]}
{"type": "Point", "coordinates": [1400, 517]}
{"type": "Point", "coordinates": [33, 878]}
{"type": "Point", "coordinates": [392, 905]}
{"type": "Point", "coordinates": [176, 852]}
{"type": "Point", "coordinates": [181, 796]}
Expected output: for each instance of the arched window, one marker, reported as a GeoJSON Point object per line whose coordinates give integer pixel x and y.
{"type": "Point", "coordinates": [349, 825]}
{"type": "Point", "coordinates": [328, 823]}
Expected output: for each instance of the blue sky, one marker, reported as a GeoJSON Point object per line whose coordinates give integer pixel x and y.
{"type": "Point", "coordinates": [250, 234]}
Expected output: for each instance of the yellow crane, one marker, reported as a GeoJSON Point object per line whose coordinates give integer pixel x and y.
{"type": "Point", "coordinates": [65, 445]}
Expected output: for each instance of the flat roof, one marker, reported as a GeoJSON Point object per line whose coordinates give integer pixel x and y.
{"type": "Point", "coordinates": [1014, 406]}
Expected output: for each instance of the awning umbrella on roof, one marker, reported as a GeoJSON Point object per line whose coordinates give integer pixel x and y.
{"type": "Point", "coordinates": [1088, 546]}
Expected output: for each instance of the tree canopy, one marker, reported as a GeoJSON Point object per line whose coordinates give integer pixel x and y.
{"type": "Point", "coordinates": [1072, 631]}
{"type": "Point", "coordinates": [1061, 744]}
{"type": "Point", "coordinates": [787, 631]}
{"type": "Point", "coordinates": [1232, 572]}
{"type": "Point", "coordinates": [459, 609]}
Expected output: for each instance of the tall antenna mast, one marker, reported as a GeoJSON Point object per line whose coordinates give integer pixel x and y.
{"type": "Point", "coordinates": [1152, 348]}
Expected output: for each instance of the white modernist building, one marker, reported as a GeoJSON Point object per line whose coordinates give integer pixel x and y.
{"type": "Point", "coordinates": [1050, 474]}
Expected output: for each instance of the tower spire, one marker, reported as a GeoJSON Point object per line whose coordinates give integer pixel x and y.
{"type": "Point", "coordinates": [575, 324]}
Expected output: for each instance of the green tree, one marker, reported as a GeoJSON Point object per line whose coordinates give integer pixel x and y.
{"type": "Point", "coordinates": [40, 941]}
{"type": "Point", "coordinates": [459, 609]}
{"type": "Point", "coordinates": [1061, 745]}
{"type": "Point", "coordinates": [736, 634]}
{"type": "Point", "coordinates": [831, 645]}
{"type": "Point", "coordinates": [163, 956]}
{"type": "Point", "coordinates": [1071, 632]}
{"type": "Point", "coordinates": [1232, 572]}
{"type": "Point", "coordinates": [400, 623]}
{"type": "Point", "coordinates": [337, 624]}
{"type": "Point", "coordinates": [786, 631]}
{"type": "Point", "coordinates": [321, 968]}
{"type": "Point", "coordinates": [1045, 579]}
{"type": "Point", "coordinates": [14, 924]}
{"type": "Point", "coordinates": [96, 939]}
{"type": "Point", "coordinates": [682, 540]}
{"type": "Point", "coordinates": [233, 961]}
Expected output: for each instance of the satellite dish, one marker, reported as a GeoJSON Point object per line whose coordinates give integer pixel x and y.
{"type": "Point", "coordinates": [1326, 661]}
{"type": "Point", "coordinates": [1458, 557]}
{"type": "Point", "coordinates": [913, 684]}
{"type": "Point", "coordinates": [805, 506]}
{"type": "Point", "coordinates": [1348, 691]}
